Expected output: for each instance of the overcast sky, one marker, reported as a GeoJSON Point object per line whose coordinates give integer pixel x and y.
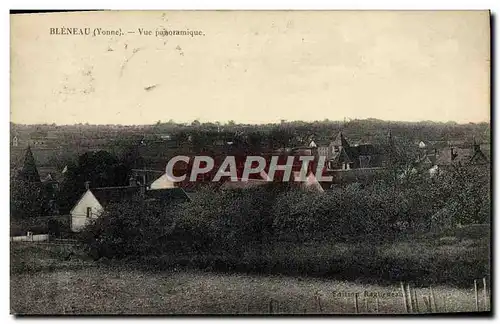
{"type": "Point", "coordinates": [251, 67]}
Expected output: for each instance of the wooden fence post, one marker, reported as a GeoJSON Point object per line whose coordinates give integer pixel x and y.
{"type": "Point", "coordinates": [433, 299]}
{"type": "Point", "coordinates": [410, 298]}
{"type": "Point", "coordinates": [404, 296]}
{"type": "Point", "coordinates": [475, 295]}
{"type": "Point", "coordinates": [427, 304]}
{"type": "Point", "coordinates": [377, 304]}
{"type": "Point", "coordinates": [356, 309]}
{"type": "Point", "coordinates": [485, 295]}
{"type": "Point", "coordinates": [416, 301]}
{"type": "Point", "coordinates": [318, 301]}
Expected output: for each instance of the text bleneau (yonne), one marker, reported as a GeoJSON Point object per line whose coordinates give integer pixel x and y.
{"type": "Point", "coordinates": [85, 31]}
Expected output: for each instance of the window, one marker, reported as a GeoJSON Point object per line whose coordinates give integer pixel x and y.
{"type": "Point", "coordinates": [335, 148]}
{"type": "Point", "coordinates": [89, 212]}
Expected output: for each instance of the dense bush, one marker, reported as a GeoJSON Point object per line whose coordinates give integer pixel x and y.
{"type": "Point", "coordinates": [26, 199]}
{"type": "Point", "coordinates": [226, 221]}
{"type": "Point", "coordinates": [57, 226]}
{"type": "Point", "coordinates": [246, 229]}
{"type": "Point", "coordinates": [131, 228]}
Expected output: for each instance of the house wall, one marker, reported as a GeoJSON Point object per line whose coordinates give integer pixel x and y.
{"type": "Point", "coordinates": [31, 238]}
{"type": "Point", "coordinates": [162, 182]}
{"type": "Point", "coordinates": [79, 212]}
{"type": "Point", "coordinates": [363, 175]}
{"type": "Point", "coordinates": [324, 151]}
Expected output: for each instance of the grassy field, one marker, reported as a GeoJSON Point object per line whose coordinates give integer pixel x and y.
{"type": "Point", "coordinates": [448, 258]}
{"type": "Point", "coordinates": [45, 281]}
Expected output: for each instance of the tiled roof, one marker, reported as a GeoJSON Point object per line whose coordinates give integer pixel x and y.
{"type": "Point", "coordinates": [461, 156]}
{"type": "Point", "coordinates": [167, 194]}
{"type": "Point", "coordinates": [355, 175]}
{"type": "Point", "coordinates": [110, 195]}
{"type": "Point", "coordinates": [251, 183]}
{"type": "Point", "coordinates": [340, 140]}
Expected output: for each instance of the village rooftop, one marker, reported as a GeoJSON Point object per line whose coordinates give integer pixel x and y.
{"type": "Point", "coordinates": [252, 165]}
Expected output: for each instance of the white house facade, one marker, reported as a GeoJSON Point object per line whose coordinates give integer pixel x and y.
{"type": "Point", "coordinates": [87, 208]}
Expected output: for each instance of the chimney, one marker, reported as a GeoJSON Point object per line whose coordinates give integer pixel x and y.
{"type": "Point", "coordinates": [477, 147]}
{"type": "Point", "coordinates": [142, 190]}
{"type": "Point", "coordinates": [87, 185]}
{"type": "Point", "coordinates": [453, 154]}
{"type": "Point", "coordinates": [132, 182]}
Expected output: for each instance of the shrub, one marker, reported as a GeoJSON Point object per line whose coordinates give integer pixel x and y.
{"type": "Point", "coordinates": [129, 228]}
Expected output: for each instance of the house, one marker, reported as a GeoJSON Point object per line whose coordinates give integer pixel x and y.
{"type": "Point", "coordinates": [164, 137]}
{"type": "Point", "coordinates": [162, 182]}
{"type": "Point", "coordinates": [95, 200]}
{"type": "Point", "coordinates": [347, 176]}
{"type": "Point", "coordinates": [155, 178]}
{"type": "Point", "coordinates": [344, 156]}
{"type": "Point", "coordinates": [320, 148]}
{"type": "Point", "coordinates": [308, 183]}
{"type": "Point", "coordinates": [426, 160]}
{"type": "Point", "coordinates": [455, 156]}
{"type": "Point", "coordinates": [147, 176]}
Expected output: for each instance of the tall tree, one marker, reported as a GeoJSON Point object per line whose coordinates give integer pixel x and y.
{"type": "Point", "coordinates": [29, 171]}
{"type": "Point", "coordinates": [100, 169]}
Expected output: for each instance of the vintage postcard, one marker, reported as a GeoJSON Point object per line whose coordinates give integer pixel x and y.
{"type": "Point", "coordinates": [250, 162]}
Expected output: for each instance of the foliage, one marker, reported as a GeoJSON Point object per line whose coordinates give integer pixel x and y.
{"type": "Point", "coordinates": [100, 169]}
{"type": "Point", "coordinates": [57, 226]}
{"type": "Point", "coordinates": [470, 200]}
{"type": "Point", "coordinates": [26, 199]}
{"type": "Point", "coordinates": [131, 228]}
{"type": "Point", "coordinates": [227, 222]}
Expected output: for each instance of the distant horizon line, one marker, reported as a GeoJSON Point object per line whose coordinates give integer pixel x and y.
{"type": "Point", "coordinates": [226, 123]}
